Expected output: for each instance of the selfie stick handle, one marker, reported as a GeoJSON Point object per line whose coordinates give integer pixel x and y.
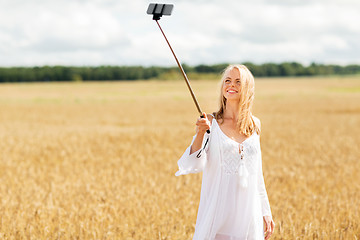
{"type": "Point", "coordinates": [184, 75]}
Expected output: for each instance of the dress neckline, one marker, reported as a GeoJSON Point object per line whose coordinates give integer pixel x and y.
{"type": "Point", "coordinates": [241, 143]}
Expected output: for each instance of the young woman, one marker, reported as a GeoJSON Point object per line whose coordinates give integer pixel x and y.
{"type": "Point", "coordinates": [233, 202]}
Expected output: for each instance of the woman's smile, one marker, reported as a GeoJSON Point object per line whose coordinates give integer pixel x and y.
{"type": "Point", "coordinates": [231, 91]}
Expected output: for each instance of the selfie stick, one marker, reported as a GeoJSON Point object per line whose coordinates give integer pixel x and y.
{"type": "Point", "coordinates": [157, 10]}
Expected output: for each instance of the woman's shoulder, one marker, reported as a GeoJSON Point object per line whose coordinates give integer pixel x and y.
{"type": "Point", "coordinates": [210, 116]}
{"type": "Point", "coordinates": [257, 121]}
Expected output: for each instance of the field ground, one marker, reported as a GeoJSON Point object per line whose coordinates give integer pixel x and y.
{"type": "Point", "coordinates": [97, 160]}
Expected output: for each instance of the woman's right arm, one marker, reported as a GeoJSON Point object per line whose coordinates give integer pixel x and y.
{"type": "Point", "coordinates": [194, 158]}
{"type": "Point", "coordinates": [203, 124]}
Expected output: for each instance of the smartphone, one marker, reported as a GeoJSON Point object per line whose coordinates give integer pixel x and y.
{"type": "Point", "coordinates": [160, 9]}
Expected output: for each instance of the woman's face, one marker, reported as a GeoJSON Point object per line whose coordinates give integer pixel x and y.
{"type": "Point", "coordinates": [232, 85]}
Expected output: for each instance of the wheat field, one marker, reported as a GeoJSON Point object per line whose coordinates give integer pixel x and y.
{"type": "Point", "coordinates": [97, 160]}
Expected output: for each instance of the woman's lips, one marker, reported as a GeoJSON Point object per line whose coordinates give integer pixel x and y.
{"type": "Point", "coordinates": [231, 91]}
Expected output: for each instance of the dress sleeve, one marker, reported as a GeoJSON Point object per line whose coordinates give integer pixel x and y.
{"type": "Point", "coordinates": [195, 162]}
{"type": "Point", "coordinates": [265, 205]}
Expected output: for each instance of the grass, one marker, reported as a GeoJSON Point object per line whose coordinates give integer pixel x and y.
{"type": "Point", "coordinates": [97, 160]}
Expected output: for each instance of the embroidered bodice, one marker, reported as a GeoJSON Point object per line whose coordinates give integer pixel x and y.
{"type": "Point", "coordinates": [233, 156]}
{"type": "Point", "coordinates": [237, 158]}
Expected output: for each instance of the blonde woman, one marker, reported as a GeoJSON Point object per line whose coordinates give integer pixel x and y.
{"type": "Point", "coordinates": [233, 202]}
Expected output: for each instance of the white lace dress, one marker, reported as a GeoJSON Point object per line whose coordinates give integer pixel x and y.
{"type": "Point", "coordinates": [233, 196]}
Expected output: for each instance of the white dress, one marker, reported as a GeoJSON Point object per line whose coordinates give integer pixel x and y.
{"type": "Point", "coordinates": [233, 197]}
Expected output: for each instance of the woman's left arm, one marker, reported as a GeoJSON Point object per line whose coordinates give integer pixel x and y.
{"type": "Point", "coordinates": [265, 205]}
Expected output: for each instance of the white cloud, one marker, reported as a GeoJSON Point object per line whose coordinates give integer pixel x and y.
{"type": "Point", "coordinates": [94, 32]}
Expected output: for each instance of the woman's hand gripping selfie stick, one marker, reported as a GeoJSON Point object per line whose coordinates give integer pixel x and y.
{"type": "Point", "coordinates": [157, 10]}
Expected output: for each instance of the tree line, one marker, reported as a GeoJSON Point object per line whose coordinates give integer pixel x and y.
{"type": "Point", "coordinates": [70, 73]}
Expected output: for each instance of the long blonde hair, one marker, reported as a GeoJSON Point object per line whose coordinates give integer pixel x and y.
{"type": "Point", "coordinates": [245, 124]}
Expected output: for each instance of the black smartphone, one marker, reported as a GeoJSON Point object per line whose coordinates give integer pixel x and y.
{"type": "Point", "coordinates": [160, 9]}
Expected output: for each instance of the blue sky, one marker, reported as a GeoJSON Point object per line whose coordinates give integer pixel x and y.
{"type": "Point", "coordinates": [118, 32]}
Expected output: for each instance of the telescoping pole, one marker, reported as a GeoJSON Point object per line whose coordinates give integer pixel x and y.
{"type": "Point", "coordinates": [158, 10]}
{"type": "Point", "coordinates": [182, 71]}
{"type": "Point", "coordinates": [184, 75]}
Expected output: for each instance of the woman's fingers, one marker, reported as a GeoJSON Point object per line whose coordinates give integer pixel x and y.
{"type": "Point", "coordinates": [272, 226]}
{"type": "Point", "coordinates": [266, 228]}
{"type": "Point", "coordinates": [269, 227]}
{"type": "Point", "coordinates": [267, 233]}
{"type": "Point", "coordinates": [203, 123]}
{"type": "Point", "coordinates": [201, 120]}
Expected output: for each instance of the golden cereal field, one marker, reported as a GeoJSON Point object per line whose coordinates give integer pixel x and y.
{"type": "Point", "coordinates": [97, 160]}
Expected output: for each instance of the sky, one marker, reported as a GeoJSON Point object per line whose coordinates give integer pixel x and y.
{"type": "Point", "coordinates": [119, 32]}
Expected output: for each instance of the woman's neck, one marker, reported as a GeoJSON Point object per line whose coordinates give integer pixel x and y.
{"type": "Point", "coordinates": [231, 111]}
